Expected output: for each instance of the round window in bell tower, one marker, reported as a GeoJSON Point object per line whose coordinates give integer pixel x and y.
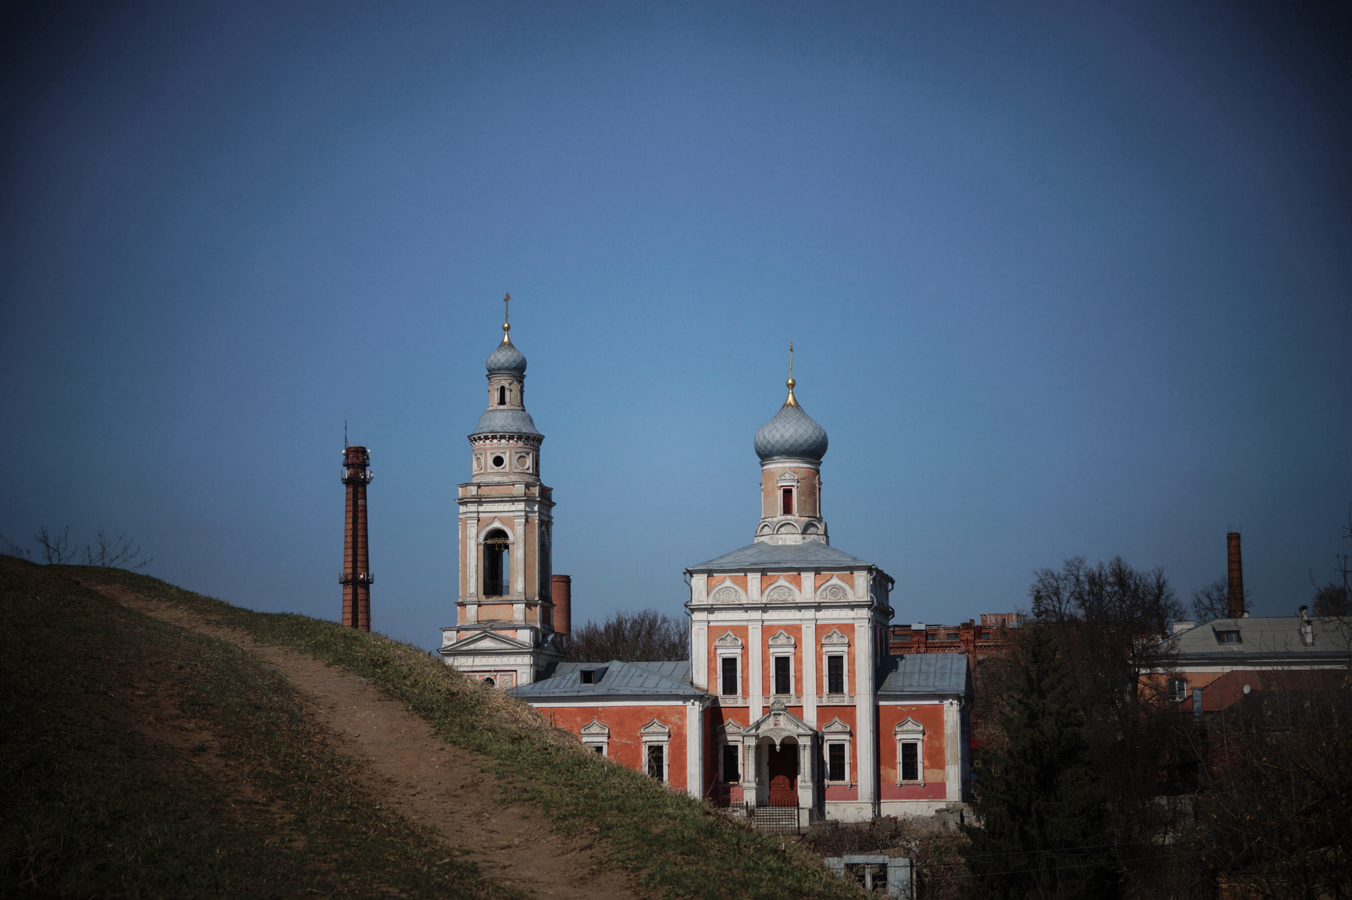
{"type": "Point", "coordinates": [498, 461]}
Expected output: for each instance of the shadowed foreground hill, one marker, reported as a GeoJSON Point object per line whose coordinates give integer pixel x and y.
{"type": "Point", "coordinates": [139, 758]}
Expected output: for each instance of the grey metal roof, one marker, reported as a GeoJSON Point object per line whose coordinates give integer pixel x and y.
{"type": "Point", "coordinates": [924, 673]}
{"type": "Point", "coordinates": [1261, 638]}
{"type": "Point", "coordinates": [506, 360]}
{"type": "Point", "coordinates": [791, 434]}
{"type": "Point", "coordinates": [762, 555]}
{"type": "Point", "coordinates": [509, 421]}
{"type": "Point", "coordinates": [614, 680]}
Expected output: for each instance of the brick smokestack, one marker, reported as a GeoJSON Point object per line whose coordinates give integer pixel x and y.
{"type": "Point", "coordinates": [1234, 578]}
{"type": "Point", "coordinates": [561, 587]}
{"type": "Point", "coordinates": [356, 577]}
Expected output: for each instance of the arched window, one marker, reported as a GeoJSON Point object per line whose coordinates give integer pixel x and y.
{"type": "Point", "coordinates": [502, 395]}
{"type": "Point", "coordinates": [497, 569]}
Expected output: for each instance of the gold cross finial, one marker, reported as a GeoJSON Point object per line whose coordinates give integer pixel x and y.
{"type": "Point", "coordinates": [791, 401]}
{"type": "Point", "coordinates": [506, 325]}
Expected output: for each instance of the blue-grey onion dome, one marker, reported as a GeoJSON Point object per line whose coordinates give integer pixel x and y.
{"type": "Point", "coordinates": [506, 360]}
{"type": "Point", "coordinates": [791, 434]}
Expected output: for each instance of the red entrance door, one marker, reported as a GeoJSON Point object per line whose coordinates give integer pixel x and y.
{"type": "Point", "coordinates": [782, 766]}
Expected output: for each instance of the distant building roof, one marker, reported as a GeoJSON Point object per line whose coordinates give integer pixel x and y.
{"type": "Point", "coordinates": [1261, 639]}
{"type": "Point", "coordinates": [789, 556]}
{"type": "Point", "coordinates": [614, 680]}
{"type": "Point", "coordinates": [927, 674]}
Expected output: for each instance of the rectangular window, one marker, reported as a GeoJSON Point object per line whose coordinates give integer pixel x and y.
{"type": "Point", "coordinates": [835, 762]}
{"type": "Point", "coordinates": [783, 680]}
{"type": "Point", "coordinates": [657, 761]}
{"type": "Point", "coordinates": [729, 664]}
{"type": "Point", "coordinates": [787, 494]}
{"type": "Point", "coordinates": [835, 674]}
{"type": "Point", "coordinates": [910, 761]}
{"type": "Point", "coordinates": [1178, 689]}
{"type": "Point", "coordinates": [730, 772]}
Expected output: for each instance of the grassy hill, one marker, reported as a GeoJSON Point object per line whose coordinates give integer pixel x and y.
{"type": "Point", "coordinates": [101, 797]}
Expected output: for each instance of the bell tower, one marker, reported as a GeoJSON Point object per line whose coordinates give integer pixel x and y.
{"type": "Point", "coordinates": [504, 632]}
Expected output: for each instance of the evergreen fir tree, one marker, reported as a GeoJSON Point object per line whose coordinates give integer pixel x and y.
{"type": "Point", "coordinates": [1043, 831]}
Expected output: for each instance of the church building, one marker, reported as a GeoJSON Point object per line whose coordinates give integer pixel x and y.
{"type": "Point", "coordinates": [788, 699]}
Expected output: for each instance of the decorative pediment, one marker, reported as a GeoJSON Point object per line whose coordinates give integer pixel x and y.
{"type": "Point", "coordinates": [778, 724]}
{"type": "Point", "coordinates": [835, 591]}
{"type": "Point", "coordinates": [728, 728]}
{"type": "Point", "coordinates": [780, 592]}
{"type": "Point", "coordinates": [835, 726]}
{"type": "Point", "coordinates": [835, 639]}
{"type": "Point", "coordinates": [909, 729]}
{"type": "Point", "coordinates": [788, 477]}
{"type": "Point", "coordinates": [655, 729]}
{"type": "Point", "coordinates": [728, 641]}
{"type": "Point", "coordinates": [595, 729]}
{"type": "Point", "coordinates": [727, 592]}
{"type": "Point", "coordinates": [487, 641]}
{"type": "Point", "coordinates": [783, 639]}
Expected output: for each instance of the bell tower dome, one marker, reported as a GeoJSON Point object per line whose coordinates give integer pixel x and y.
{"type": "Point", "coordinates": [791, 446]}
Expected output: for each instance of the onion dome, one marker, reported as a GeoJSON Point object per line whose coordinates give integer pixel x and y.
{"type": "Point", "coordinates": [506, 359]}
{"type": "Point", "coordinates": [791, 434]}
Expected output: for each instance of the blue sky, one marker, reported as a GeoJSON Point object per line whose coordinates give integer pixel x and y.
{"type": "Point", "coordinates": [1061, 278]}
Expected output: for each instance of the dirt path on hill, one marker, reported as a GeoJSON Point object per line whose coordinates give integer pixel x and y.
{"type": "Point", "coordinates": [409, 769]}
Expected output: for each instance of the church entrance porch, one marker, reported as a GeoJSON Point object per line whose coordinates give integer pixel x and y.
{"type": "Point", "coordinates": [779, 749]}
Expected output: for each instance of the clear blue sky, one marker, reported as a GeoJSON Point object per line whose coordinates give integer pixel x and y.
{"type": "Point", "coordinates": [1062, 279]}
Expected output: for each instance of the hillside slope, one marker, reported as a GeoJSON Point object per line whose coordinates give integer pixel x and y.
{"type": "Point", "coordinates": [145, 758]}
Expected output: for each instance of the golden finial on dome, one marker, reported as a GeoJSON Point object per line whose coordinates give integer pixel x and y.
{"type": "Point", "coordinates": [791, 401]}
{"type": "Point", "coordinates": [506, 326]}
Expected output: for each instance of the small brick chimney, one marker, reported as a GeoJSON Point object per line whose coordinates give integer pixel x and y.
{"type": "Point", "coordinates": [561, 591]}
{"type": "Point", "coordinates": [1235, 578]}
{"type": "Point", "coordinates": [356, 576]}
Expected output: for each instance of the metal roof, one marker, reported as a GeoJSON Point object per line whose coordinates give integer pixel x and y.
{"type": "Point", "coordinates": [506, 359]}
{"type": "Point", "coordinates": [614, 680]}
{"type": "Point", "coordinates": [1260, 638]}
{"type": "Point", "coordinates": [764, 555]}
{"type": "Point", "coordinates": [924, 673]}
{"type": "Point", "coordinates": [508, 421]}
{"type": "Point", "coordinates": [791, 434]}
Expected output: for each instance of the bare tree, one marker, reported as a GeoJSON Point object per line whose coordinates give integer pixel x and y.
{"type": "Point", "coordinates": [1334, 599]}
{"type": "Point", "coordinates": [56, 549]}
{"type": "Point", "coordinates": [13, 549]}
{"type": "Point", "coordinates": [1213, 601]}
{"type": "Point", "coordinates": [118, 554]}
{"type": "Point", "coordinates": [645, 635]}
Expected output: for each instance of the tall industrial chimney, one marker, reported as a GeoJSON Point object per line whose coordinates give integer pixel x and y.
{"type": "Point", "coordinates": [356, 578]}
{"type": "Point", "coordinates": [1234, 579]}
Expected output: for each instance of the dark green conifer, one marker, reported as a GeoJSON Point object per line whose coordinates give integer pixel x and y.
{"type": "Point", "coordinates": [1043, 828]}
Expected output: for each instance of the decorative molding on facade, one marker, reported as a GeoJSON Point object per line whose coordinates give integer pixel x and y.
{"type": "Point", "coordinates": [909, 729]}
{"type": "Point", "coordinates": [781, 591]}
{"type": "Point", "coordinates": [728, 641]}
{"type": "Point", "coordinates": [728, 592]}
{"type": "Point", "coordinates": [595, 729]}
{"type": "Point", "coordinates": [835, 591]}
{"type": "Point", "coordinates": [782, 639]}
{"type": "Point", "coordinates": [729, 728]}
{"type": "Point", "coordinates": [788, 477]}
{"type": "Point", "coordinates": [836, 727]}
{"type": "Point", "coordinates": [655, 729]}
{"type": "Point", "coordinates": [835, 639]}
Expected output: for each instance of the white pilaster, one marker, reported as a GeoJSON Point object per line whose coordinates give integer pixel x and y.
{"type": "Point", "coordinates": [865, 713]}
{"type": "Point", "coordinates": [754, 655]}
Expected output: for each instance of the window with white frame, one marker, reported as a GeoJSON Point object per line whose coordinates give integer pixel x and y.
{"type": "Point", "coordinates": [596, 737]}
{"type": "Point", "coordinates": [782, 646]}
{"type": "Point", "coordinates": [730, 768]}
{"type": "Point", "coordinates": [656, 739]}
{"type": "Point", "coordinates": [836, 663]}
{"type": "Point", "coordinates": [729, 650]}
{"type": "Point", "coordinates": [910, 737]}
{"type": "Point", "coordinates": [836, 738]}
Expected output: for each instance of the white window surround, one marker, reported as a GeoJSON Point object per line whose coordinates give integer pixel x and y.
{"type": "Point", "coordinates": [729, 646]}
{"type": "Point", "coordinates": [655, 734]}
{"type": "Point", "coordinates": [782, 645]}
{"type": "Point", "coordinates": [1178, 689]}
{"type": "Point", "coordinates": [911, 732]}
{"type": "Point", "coordinates": [730, 735]}
{"type": "Point", "coordinates": [835, 644]}
{"type": "Point", "coordinates": [837, 732]}
{"type": "Point", "coordinates": [596, 735]}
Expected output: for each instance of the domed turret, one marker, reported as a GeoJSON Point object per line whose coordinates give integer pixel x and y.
{"type": "Point", "coordinates": [791, 434]}
{"type": "Point", "coordinates": [506, 359]}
